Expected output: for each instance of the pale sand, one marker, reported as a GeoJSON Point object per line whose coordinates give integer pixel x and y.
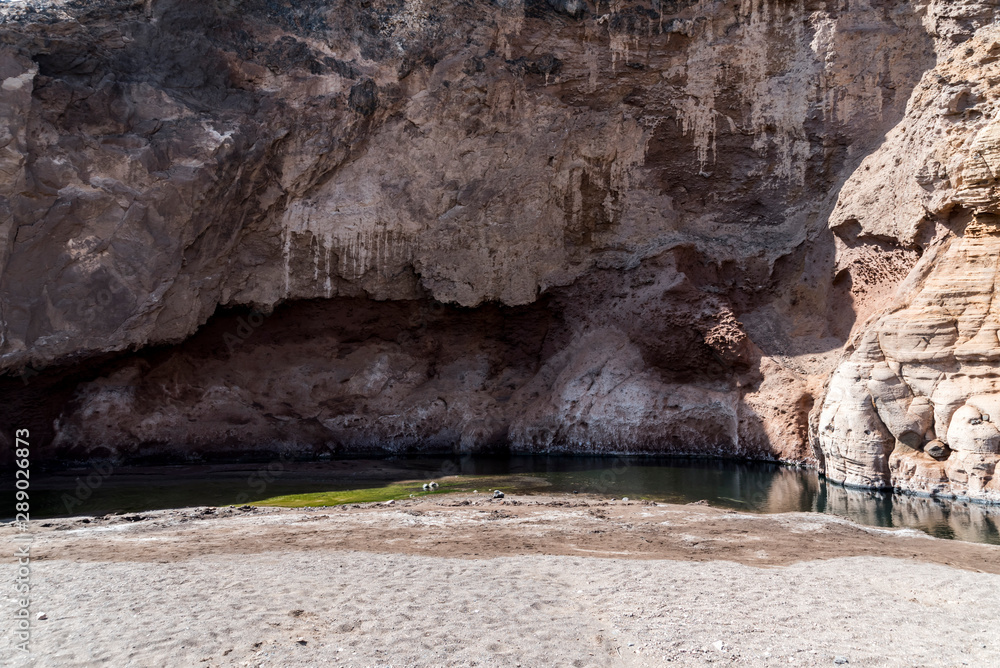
{"type": "Point", "coordinates": [370, 586]}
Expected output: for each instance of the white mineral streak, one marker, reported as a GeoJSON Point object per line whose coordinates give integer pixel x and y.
{"type": "Point", "coordinates": [348, 229]}
{"type": "Point", "coordinates": [779, 105]}
{"type": "Point", "coordinates": [781, 86]}
{"type": "Point", "coordinates": [631, 140]}
{"type": "Point", "coordinates": [696, 109]}
{"type": "Point", "coordinates": [621, 44]}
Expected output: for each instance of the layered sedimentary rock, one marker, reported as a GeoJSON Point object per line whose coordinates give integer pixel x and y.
{"type": "Point", "coordinates": [400, 225]}
{"type": "Point", "coordinates": [914, 405]}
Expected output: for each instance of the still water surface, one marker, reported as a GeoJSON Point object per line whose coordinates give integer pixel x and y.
{"type": "Point", "coordinates": [753, 487]}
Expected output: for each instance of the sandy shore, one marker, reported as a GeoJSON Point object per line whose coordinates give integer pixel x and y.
{"type": "Point", "coordinates": [469, 581]}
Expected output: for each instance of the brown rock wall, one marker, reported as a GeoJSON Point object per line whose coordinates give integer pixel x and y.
{"type": "Point", "coordinates": [642, 186]}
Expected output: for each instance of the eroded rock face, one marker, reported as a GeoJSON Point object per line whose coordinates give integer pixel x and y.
{"type": "Point", "coordinates": [649, 182]}
{"type": "Point", "coordinates": [914, 405]}
{"type": "Point", "coordinates": [183, 156]}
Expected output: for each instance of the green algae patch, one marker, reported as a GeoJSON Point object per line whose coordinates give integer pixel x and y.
{"type": "Point", "coordinates": [404, 490]}
{"type": "Point", "coordinates": [338, 498]}
{"type": "Point", "coordinates": [394, 491]}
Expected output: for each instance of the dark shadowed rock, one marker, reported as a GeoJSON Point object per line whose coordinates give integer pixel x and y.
{"type": "Point", "coordinates": [364, 97]}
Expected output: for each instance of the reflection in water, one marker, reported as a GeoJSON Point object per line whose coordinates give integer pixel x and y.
{"type": "Point", "coordinates": [754, 487]}
{"type": "Point", "coordinates": [757, 487]}
{"type": "Point", "coordinates": [944, 519]}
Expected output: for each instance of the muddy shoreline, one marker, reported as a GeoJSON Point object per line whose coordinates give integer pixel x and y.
{"type": "Point", "coordinates": [477, 526]}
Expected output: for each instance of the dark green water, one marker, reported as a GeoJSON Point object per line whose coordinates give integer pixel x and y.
{"type": "Point", "coordinates": [752, 487]}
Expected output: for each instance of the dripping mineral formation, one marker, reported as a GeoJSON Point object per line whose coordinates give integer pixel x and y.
{"type": "Point", "coordinates": [753, 228]}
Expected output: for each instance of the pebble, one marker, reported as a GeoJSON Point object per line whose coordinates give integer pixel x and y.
{"type": "Point", "coordinates": [426, 486]}
{"type": "Point", "coordinates": [41, 615]}
{"type": "Point", "coordinates": [389, 502]}
{"type": "Point", "coordinates": [624, 498]}
{"type": "Point", "coordinates": [497, 494]}
{"type": "Point", "coordinates": [841, 660]}
{"type": "Point", "coordinates": [719, 645]}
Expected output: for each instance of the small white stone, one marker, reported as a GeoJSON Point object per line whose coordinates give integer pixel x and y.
{"type": "Point", "coordinates": [41, 615]}
{"type": "Point", "coordinates": [17, 83]}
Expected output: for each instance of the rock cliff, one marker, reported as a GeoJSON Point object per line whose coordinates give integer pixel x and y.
{"type": "Point", "coordinates": [913, 404]}
{"type": "Point", "coordinates": [545, 225]}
